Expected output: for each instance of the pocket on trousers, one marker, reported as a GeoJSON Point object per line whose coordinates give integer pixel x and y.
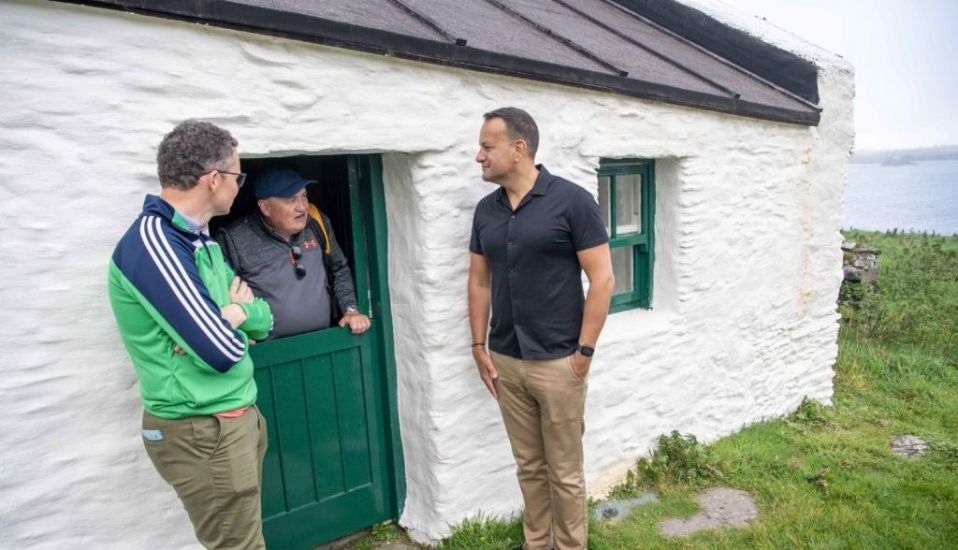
{"type": "Point", "coordinates": [207, 434]}
{"type": "Point", "coordinates": [237, 462]}
{"type": "Point", "coordinates": [572, 370]}
{"type": "Point", "coordinates": [165, 441]}
{"type": "Point", "coordinates": [263, 432]}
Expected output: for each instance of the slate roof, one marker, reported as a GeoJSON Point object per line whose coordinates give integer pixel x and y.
{"type": "Point", "coordinates": [652, 49]}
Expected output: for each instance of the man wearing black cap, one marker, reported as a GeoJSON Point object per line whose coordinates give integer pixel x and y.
{"type": "Point", "coordinates": [291, 260]}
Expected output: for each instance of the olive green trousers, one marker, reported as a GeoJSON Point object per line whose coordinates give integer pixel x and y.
{"type": "Point", "coordinates": [216, 467]}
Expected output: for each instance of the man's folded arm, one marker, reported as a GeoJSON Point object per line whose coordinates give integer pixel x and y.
{"type": "Point", "coordinates": [259, 317]}
{"type": "Point", "coordinates": [164, 276]}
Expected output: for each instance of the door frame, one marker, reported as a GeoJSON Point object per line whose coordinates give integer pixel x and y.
{"type": "Point", "coordinates": [366, 172]}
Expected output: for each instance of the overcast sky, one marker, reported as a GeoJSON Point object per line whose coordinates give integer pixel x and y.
{"type": "Point", "coordinates": [905, 55]}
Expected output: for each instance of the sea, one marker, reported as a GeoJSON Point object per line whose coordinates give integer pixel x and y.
{"type": "Point", "coordinates": [920, 197]}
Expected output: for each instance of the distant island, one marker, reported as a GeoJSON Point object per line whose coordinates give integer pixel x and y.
{"type": "Point", "coordinates": [897, 161]}
{"type": "Point", "coordinates": [900, 157]}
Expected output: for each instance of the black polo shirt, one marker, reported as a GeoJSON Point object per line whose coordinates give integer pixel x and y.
{"type": "Point", "coordinates": [537, 295]}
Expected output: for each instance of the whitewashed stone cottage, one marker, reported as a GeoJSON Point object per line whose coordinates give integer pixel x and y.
{"type": "Point", "coordinates": [715, 143]}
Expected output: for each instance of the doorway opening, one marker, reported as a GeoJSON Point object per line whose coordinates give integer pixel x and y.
{"type": "Point", "coordinates": [334, 462]}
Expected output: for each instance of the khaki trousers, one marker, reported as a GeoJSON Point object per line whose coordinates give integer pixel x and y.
{"type": "Point", "coordinates": [543, 406]}
{"type": "Point", "coordinates": [216, 467]}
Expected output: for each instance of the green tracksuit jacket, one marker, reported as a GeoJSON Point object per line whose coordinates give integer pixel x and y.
{"type": "Point", "coordinates": [166, 285]}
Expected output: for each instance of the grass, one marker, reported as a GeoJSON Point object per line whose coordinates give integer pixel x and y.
{"type": "Point", "coordinates": [824, 477]}
{"type": "Point", "coordinates": [379, 535]}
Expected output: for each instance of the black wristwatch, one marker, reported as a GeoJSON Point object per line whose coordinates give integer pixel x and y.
{"type": "Point", "coordinates": [585, 350]}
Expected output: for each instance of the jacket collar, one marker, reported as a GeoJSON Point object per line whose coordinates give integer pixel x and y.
{"type": "Point", "coordinates": [154, 205]}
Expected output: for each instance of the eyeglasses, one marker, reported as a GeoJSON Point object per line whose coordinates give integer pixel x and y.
{"type": "Point", "coordinates": [295, 253]}
{"type": "Point", "coordinates": [240, 176]}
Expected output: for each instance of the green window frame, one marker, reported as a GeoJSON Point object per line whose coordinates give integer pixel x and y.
{"type": "Point", "coordinates": [627, 205]}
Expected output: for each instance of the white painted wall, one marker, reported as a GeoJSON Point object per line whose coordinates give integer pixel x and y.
{"type": "Point", "coordinates": [748, 265]}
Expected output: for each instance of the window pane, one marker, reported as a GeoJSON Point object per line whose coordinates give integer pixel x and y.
{"type": "Point", "coordinates": [604, 201]}
{"type": "Point", "coordinates": [628, 202]}
{"type": "Point", "coordinates": [622, 269]}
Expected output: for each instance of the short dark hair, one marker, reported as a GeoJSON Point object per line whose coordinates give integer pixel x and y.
{"type": "Point", "coordinates": [193, 148]}
{"type": "Point", "coordinates": [519, 125]}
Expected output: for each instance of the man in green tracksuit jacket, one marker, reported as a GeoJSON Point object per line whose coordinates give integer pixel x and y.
{"type": "Point", "coordinates": [187, 322]}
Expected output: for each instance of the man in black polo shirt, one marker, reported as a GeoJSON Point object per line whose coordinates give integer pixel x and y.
{"type": "Point", "coordinates": [531, 240]}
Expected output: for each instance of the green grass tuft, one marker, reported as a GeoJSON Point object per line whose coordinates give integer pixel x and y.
{"type": "Point", "coordinates": [484, 533]}
{"type": "Point", "coordinates": [385, 532]}
{"type": "Point", "coordinates": [678, 459]}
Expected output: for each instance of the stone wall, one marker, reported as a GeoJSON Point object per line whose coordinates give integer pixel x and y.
{"type": "Point", "coordinates": [860, 262]}
{"type": "Point", "coordinates": [748, 259]}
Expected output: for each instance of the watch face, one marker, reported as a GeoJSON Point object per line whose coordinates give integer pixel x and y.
{"type": "Point", "coordinates": [586, 350]}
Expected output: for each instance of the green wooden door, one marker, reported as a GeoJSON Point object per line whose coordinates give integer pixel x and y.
{"type": "Point", "coordinates": [334, 463]}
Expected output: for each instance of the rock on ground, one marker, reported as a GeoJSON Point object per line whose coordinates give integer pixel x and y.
{"type": "Point", "coordinates": [615, 510]}
{"type": "Point", "coordinates": [909, 446]}
{"type": "Point", "coordinates": [721, 507]}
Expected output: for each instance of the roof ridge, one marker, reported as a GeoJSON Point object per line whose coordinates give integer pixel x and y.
{"type": "Point", "coordinates": [714, 55]}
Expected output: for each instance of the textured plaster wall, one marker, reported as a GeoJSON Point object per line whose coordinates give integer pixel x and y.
{"type": "Point", "coordinates": [748, 258]}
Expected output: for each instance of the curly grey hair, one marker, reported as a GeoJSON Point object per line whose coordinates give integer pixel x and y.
{"type": "Point", "coordinates": [193, 148]}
